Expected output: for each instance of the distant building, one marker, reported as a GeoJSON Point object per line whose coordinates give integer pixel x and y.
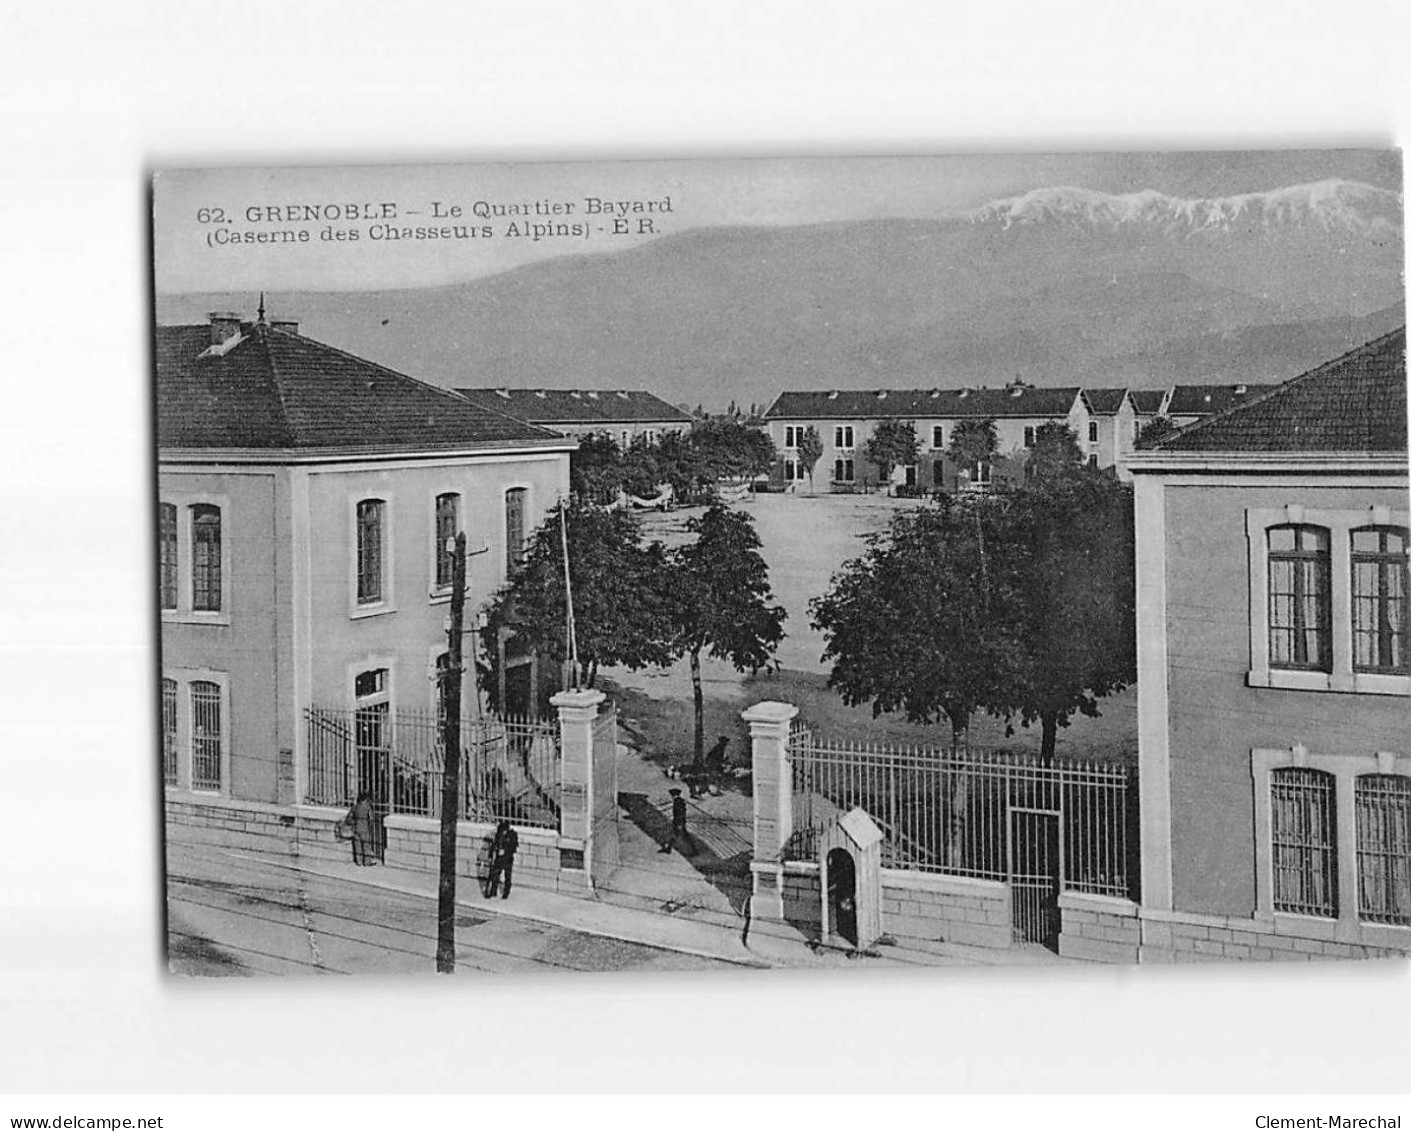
{"type": "Point", "coordinates": [845, 419]}
{"type": "Point", "coordinates": [1274, 685]}
{"type": "Point", "coordinates": [1188, 403]}
{"type": "Point", "coordinates": [1111, 428]}
{"type": "Point", "coordinates": [305, 497]}
{"type": "Point", "coordinates": [623, 414]}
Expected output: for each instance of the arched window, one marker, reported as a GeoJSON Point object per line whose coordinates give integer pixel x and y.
{"type": "Point", "coordinates": [1379, 585]}
{"type": "Point", "coordinates": [1384, 848]}
{"type": "Point", "coordinates": [515, 499]}
{"type": "Point", "coordinates": [1304, 825]}
{"type": "Point", "coordinates": [205, 735]}
{"type": "Point", "coordinates": [205, 558]}
{"type": "Point", "coordinates": [370, 550]}
{"type": "Point", "coordinates": [169, 764]}
{"type": "Point", "coordinates": [448, 517]}
{"type": "Point", "coordinates": [1300, 606]}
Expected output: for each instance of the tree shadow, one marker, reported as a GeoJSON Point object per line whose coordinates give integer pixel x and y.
{"type": "Point", "coordinates": [728, 872]}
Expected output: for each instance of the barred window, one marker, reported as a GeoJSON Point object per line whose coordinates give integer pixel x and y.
{"type": "Point", "coordinates": [205, 558]}
{"type": "Point", "coordinates": [169, 769]}
{"type": "Point", "coordinates": [448, 508]}
{"type": "Point", "coordinates": [166, 554]}
{"type": "Point", "coordinates": [205, 735]}
{"type": "Point", "coordinates": [1304, 828]}
{"type": "Point", "coordinates": [1300, 607]}
{"type": "Point", "coordinates": [1379, 585]}
{"type": "Point", "coordinates": [1384, 848]}
{"type": "Point", "coordinates": [514, 525]}
{"type": "Point", "coordinates": [370, 515]}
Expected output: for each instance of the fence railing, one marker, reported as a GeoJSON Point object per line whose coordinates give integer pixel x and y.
{"type": "Point", "coordinates": [510, 767]}
{"type": "Point", "coordinates": [954, 813]}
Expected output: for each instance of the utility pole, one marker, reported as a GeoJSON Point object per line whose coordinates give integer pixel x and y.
{"type": "Point", "coordinates": [451, 779]}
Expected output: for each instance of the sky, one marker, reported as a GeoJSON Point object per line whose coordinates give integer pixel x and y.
{"type": "Point", "coordinates": [198, 213]}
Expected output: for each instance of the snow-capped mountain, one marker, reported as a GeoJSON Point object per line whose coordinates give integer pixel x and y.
{"type": "Point", "coordinates": [1334, 206]}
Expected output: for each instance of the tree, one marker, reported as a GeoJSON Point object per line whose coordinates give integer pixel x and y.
{"type": "Point", "coordinates": [973, 443]}
{"type": "Point", "coordinates": [810, 451]}
{"type": "Point", "coordinates": [729, 449]}
{"type": "Point", "coordinates": [892, 444]}
{"type": "Point", "coordinates": [1070, 550]}
{"type": "Point", "coordinates": [1055, 451]}
{"type": "Point", "coordinates": [721, 601]}
{"type": "Point", "coordinates": [1020, 604]}
{"type": "Point", "coordinates": [918, 624]}
{"type": "Point", "coordinates": [595, 470]}
{"type": "Point", "coordinates": [621, 613]}
{"type": "Point", "coordinates": [1155, 430]}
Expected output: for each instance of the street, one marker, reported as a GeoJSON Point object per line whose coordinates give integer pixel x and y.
{"type": "Point", "coordinates": [234, 914]}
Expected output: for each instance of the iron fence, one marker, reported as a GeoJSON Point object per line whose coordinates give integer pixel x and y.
{"type": "Point", "coordinates": [509, 766]}
{"type": "Point", "coordinates": [952, 813]}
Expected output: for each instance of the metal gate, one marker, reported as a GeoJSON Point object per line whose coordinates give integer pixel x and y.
{"type": "Point", "coordinates": [1035, 852]}
{"type": "Point", "coordinates": [603, 851]}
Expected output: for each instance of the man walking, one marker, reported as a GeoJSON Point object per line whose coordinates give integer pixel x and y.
{"type": "Point", "coordinates": [502, 850]}
{"type": "Point", "coordinates": [678, 824]}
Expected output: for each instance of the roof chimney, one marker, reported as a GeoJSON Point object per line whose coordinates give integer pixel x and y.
{"type": "Point", "coordinates": [224, 325]}
{"type": "Point", "coordinates": [288, 325]}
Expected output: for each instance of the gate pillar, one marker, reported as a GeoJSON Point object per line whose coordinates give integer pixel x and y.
{"type": "Point", "coordinates": [577, 711]}
{"type": "Point", "coordinates": [773, 803]}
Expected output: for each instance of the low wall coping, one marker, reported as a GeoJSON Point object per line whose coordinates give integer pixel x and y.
{"type": "Point", "coordinates": [1197, 919]}
{"type": "Point", "coordinates": [219, 801]}
{"type": "Point", "coordinates": [415, 822]}
{"type": "Point", "coordinates": [1091, 901]}
{"type": "Point", "coordinates": [946, 884]}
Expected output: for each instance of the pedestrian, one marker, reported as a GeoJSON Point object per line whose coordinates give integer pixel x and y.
{"type": "Point", "coordinates": [715, 756]}
{"type": "Point", "coordinates": [502, 850]}
{"type": "Point", "coordinates": [678, 824]}
{"type": "Point", "coordinates": [363, 824]}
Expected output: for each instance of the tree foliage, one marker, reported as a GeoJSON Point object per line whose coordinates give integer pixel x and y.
{"type": "Point", "coordinates": [621, 610]}
{"type": "Point", "coordinates": [1155, 430]}
{"type": "Point", "coordinates": [1055, 451]}
{"type": "Point", "coordinates": [810, 450]}
{"type": "Point", "coordinates": [916, 625]}
{"type": "Point", "coordinates": [972, 442]}
{"type": "Point", "coordinates": [721, 600]}
{"type": "Point", "coordinates": [1072, 537]}
{"type": "Point", "coordinates": [691, 462]}
{"type": "Point", "coordinates": [1020, 604]}
{"type": "Point", "coordinates": [892, 444]}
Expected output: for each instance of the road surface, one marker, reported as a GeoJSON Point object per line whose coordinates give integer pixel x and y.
{"type": "Point", "coordinates": [231, 913]}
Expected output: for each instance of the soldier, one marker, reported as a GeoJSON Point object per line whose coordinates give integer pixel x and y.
{"type": "Point", "coordinates": [678, 824]}
{"type": "Point", "coordinates": [502, 850]}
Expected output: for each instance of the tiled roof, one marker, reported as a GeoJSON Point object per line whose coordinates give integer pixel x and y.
{"type": "Point", "coordinates": [1356, 403]}
{"type": "Point", "coordinates": [1104, 402]}
{"type": "Point", "coordinates": [579, 406]}
{"type": "Point", "coordinates": [1203, 400]}
{"type": "Point", "coordinates": [273, 389]}
{"type": "Point", "coordinates": [1147, 402]}
{"type": "Point", "coordinates": [910, 404]}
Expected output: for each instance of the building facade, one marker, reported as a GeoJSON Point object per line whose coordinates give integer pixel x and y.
{"type": "Point", "coordinates": [305, 501]}
{"type": "Point", "coordinates": [845, 420]}
{"type": "Point", "coordinates": [1274, 687]}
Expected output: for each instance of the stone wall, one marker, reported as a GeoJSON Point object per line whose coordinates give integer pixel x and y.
{"type": "Point", "coordinates": [1117, 930]}
{"type": "Point", "coordinates": [309, 832]}
{"type": "Point", "coordinates": [917, 907]}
